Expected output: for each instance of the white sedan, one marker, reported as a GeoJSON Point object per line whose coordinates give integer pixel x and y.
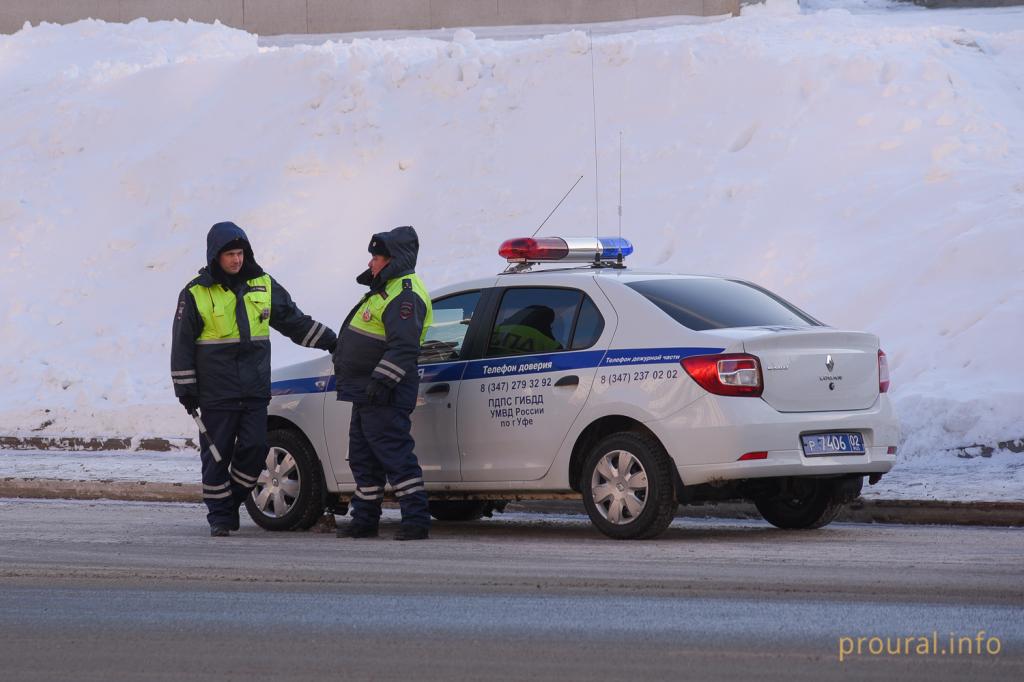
{"type": "Point", "coordinates": [637, 391]}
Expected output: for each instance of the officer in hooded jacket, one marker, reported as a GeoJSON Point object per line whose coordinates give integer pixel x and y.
{"type": "Point", "coordinates": [220, 362]}
{"type": "Point", "coordinates": [375, 369]}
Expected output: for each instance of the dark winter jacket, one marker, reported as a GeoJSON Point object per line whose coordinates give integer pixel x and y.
{"type": "Point", "coordinates": [230, 370]}
{"type": "Point", "coordinates": [391, 360]}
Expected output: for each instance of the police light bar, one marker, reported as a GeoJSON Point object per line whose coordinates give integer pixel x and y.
{"type": "Point", "coordinates": [564, 249]}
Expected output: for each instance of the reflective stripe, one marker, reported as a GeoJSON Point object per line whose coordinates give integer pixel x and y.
{"type": "Point", "coordinates": [213, 342]}
{"type": "Point", "coordinates": [316, 338]}
{"type": "Point", "coordinates": [220, 486]}
{"type": "Point", "coordinates": [388, 373]}
{"type": "Point", "coordinates": [392, 366]}
{"type": "Point", "coordinates": [370, 489]}
{"type": "Point", "coordinates": [184, 381]}
{"type": "Point", "coordinates": [217, 496]}
{"type": "Point", "coordinates": [184, 373]}
{"type": "Point", "coordinates": [240, 474]}
{"type": "Point", "coordinates": [409, 491]}
{"type": "Point", "coordinates": [241, 482]}
{"type": "Point", "coordinates": [408, 482]}
{"type": "Point", "coordinates": [363, 496]}
{"type": "Point", "coordinates": [309, 334]}
{"type": "Point", "coordinates": [366, 333]}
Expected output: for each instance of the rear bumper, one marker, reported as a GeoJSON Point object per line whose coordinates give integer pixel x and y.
{"type": "Point", "coordinates": [708, 437]}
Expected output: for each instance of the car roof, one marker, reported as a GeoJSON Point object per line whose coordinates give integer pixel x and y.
{"type": "Point", "coordinates": [563, 275]}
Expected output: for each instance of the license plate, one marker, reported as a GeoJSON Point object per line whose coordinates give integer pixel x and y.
{"type": "Point", "coordinates": [821, 444]}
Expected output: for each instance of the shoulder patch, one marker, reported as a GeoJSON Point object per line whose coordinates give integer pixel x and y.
{"type": "Point", "coordinates": [406, 310]}
{"type": "Point", "coordinates": [181, 308]}
{"type": "Point", "coordinates": [407, 284]}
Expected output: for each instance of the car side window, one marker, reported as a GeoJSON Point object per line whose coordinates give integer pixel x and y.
{"type": "Point", "coordinates": [452, 314]}
{"type": "Point", "coordinates": [533, 321]}
{"type": "Point", "coordinates": [589, 325]}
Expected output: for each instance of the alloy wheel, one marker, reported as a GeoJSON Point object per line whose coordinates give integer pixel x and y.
{"type": "Point", "coordinates": [278, 485]}
{"type": "Point", "coordinates": [619, 487]}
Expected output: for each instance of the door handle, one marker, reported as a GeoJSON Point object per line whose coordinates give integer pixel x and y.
{"type": "Point", "coordinates": [438, 390]}
{"type": "Point", "coordinates": [570, 380]}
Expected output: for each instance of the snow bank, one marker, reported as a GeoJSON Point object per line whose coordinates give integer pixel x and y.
{"type": "Point", "coordinates": [873, 173]}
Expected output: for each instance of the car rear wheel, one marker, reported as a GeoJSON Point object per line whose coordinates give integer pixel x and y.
{"type": "Point", "coordinates": [804, 503]}
{"type": "Point", "coordinates": [458, 510]}
{"type": "Point", "coordinates": [289, 493]}
{"type": "Point", "coordinates": [627, 486]}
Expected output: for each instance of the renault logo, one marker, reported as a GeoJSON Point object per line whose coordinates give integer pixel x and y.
{"type": "Point", "coordinates": [829, 362]}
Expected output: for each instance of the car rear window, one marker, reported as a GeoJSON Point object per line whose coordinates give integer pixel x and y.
{"type": "Point", "coordinates": [702, 304]}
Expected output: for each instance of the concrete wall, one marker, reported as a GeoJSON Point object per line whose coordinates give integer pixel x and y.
{"type": "Point", "coordinates": [270, 17]}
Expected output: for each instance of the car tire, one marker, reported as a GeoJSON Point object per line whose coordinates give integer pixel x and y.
{"type": "Point", "coordinates": [636, 503]}
{"type": "Point", "coordinates": [289, 493]}
{"type": "Point", "coordinates": [458, 510]}
{"type": "Point", "coordinates": [809, 503]}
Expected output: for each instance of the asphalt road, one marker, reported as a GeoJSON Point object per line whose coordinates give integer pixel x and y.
{"type": "Point", "coordinates": [138, 591]}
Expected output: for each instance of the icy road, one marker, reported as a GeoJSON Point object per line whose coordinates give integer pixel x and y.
{"type": "Point", "coordinates": [128, 591]}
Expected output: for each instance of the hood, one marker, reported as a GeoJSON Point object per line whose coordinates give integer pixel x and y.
{"type": "Point", "coordinates": [404, 246]}
{"type": "Point", "coordinates": [220, 235]}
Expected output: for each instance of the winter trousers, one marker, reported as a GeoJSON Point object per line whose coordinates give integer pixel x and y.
{"type": "Point", "coordinates": [380, 450]}
{"type": "Point", "coordinates": [241, 437]}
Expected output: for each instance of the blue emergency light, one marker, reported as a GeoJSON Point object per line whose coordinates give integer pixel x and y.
{"type": "Point", "coordinates": [564, 249]}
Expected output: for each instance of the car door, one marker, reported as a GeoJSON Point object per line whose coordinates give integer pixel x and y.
{"type": "Point", "coordinates": [517, 403]}
{"type": "Point", "coordinates": [433, 420]}
{"type": "Point", "coordinates": [441, 369]}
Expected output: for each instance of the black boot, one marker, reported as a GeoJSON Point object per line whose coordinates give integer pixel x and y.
{"type": "Point", "coordinates": [236, 522]}
{"type": "Point", "coordinates": [356, 531]}
{"type": "Point", "coordinates": [410, 532]}
{"type": "Point", "coordinates": [219, 532]}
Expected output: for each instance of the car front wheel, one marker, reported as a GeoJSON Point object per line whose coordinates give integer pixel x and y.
{"type": "Point", "coordinates": [627, 486]}
{"type": "Point", "coordinates": [289, 493]}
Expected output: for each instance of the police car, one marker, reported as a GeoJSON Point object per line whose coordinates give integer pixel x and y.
{"type": "Point", "coordinates": [637, 391]}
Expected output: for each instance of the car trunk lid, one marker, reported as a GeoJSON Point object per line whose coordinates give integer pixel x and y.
{"type": "Point", "coordinates": [816, 369]}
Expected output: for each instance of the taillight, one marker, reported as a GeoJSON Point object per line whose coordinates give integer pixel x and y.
{"type": "Point", "coordinates": [883, 372]}
{"type": "Point", "coordinates": [736, 374]}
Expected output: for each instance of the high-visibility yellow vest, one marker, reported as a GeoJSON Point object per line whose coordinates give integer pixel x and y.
{"type": "Point", "coordinates": [369, 317]}
{"type": "Point", "coordinates": [217, 308]}
{"type": "Point", "coordinates": [521, 339]}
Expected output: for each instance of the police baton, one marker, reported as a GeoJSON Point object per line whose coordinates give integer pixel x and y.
{"type": "Point", "coordinates": [202, 432]}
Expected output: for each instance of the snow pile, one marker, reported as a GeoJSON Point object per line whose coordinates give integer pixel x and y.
{"type": "Point", "coordinates": [872, 173]}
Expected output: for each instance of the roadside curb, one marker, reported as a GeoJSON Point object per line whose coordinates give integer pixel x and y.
{"type": "Point", "coordinates": [134, 491]}
{"type": "Point", "coordinates": [1005, 514]}
{"type": "Point", "coordinates": [79, 444]}
{"type": "Point", "coordinates": [161, 444]}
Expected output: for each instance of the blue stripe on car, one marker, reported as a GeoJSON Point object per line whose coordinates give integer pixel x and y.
{"type": "Point", "coordinates": [304, 385]}
{"type": "Point", "coordinates": [516, 365]}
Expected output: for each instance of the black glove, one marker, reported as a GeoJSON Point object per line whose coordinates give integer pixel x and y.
{"type": "Point", "coordinates": [378, 393]}
{"type": "Point", "coordinates": [189, 402]}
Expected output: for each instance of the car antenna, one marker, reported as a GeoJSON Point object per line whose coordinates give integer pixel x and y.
{"type": "Point", "coordinates": [620, 200]}
{"type": "Point", "coordinates": [557, 205]}
{"type": "Point", "coordinates": [593, 102]}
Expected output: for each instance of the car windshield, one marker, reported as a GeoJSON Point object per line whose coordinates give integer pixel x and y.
{"type": "Point", "coordinates": [706, 303]}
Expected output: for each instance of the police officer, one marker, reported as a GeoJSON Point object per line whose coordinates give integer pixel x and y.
{"type": "Point", "coordinates": [220, 361]}
{"type": "Point", "coordinates": [375, 368]}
